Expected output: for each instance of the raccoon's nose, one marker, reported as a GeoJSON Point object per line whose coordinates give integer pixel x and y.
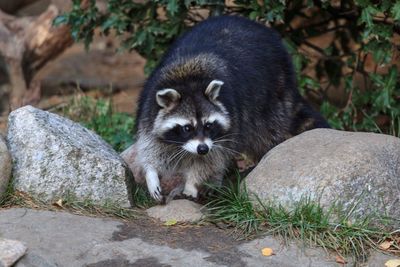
{"type": "Point", "coordinates": [202, 149]}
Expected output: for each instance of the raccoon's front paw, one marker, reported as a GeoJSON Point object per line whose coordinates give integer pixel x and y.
{"type": "Point", "coordinates": [190, 191]}
{"type": "Point", "coordinates": [155, 189]}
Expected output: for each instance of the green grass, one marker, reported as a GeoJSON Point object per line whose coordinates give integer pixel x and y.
{"type": "Point", "coordinates": [142, 198]}
{"type": "Point", "coordinates": [306, 221]}
{"type": "Point", "coordinates": [116, 128]}
{"type": "Point", "coordinates": [232, 205]}
{"type": "Point", "coordinates": [7, 199]}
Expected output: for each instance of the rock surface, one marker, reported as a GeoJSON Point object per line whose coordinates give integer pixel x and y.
{"type": "Point", "coordinates": [180, 210]}
{"type": "Point", "coordinates": [343, 167]}
{"type": "Point", "coordinates": [63, 239]}
{"type": "Point", "coordinates": [11, 251]}
{"type": "Point", "coordinates": [5, 166]}
{"type": "Point", "coordinates": [55, 157]}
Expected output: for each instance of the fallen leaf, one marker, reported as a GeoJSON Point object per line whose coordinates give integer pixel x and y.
{"type": "Point", "coordinates": [59, 203]}
{"type": "Point", "coordinates": [392, 263]}
{"type": "Point", "coordinates": [340, 259]}
{"type": "Point", "coordinates": [267, 252]}
{"type": "Point", "coordinates": [170, 222]}
{"type": "Point", "coordinates": [385, 245]}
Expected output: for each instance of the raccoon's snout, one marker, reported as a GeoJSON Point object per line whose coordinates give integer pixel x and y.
{"type": "Point", "coordinates": [202, 149]}
{"type": "Point", "coordinates": [198, 147]}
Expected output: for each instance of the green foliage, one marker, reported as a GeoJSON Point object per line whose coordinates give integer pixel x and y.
{"type": "Point", "coordinates": [306, 220]}
{"type": "Point", "coordinates": [363, 31]}
{"type": "Point", "coordinates": [232, 205]}
{"type": "Point", "coordinates": [116, 128]}
{"type": "Point", "coordinates": [7, 198]}
{"type": "Point", "coordinates": [142, 198]}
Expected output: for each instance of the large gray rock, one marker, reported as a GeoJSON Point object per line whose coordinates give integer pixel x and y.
{"type": "Point", "coordinates": [5, 166]}
{"type": "Point", "coordinates": [343, 167]}
{"type": "Point", "coordinates": [10, 251]}
{"type": "Point", "coordinates": [54, 157]}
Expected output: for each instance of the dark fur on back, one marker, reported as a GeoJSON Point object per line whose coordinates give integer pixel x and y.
{"type": "Point", "coordinates": [259, 91]}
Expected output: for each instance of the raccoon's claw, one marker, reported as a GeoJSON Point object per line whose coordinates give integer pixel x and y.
{"type": "Point", "coordinates": [195, 199]}
{"type": "Point", "coordinates": [156, 194]}
{"type": "Point", "coordinates": [153, 185]}
{"type": "Point", "coordinates": [190, 191]}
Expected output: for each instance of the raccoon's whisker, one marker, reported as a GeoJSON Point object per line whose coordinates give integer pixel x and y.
{"type": "Point", "coordinates": [230, 134]}
{"type": "Point", "coordinates": [225, 140]}
{"type": "Point", "coordinates": [181, 156]}
{"type": "Point", "coordinates": [227, 149]}
{"type": "Point", "coordinates": [176, 154]}
{"type": "Point", "coordinates": [175, 142]}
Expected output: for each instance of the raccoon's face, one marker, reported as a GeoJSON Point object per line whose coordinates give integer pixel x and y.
{"type": "Point", "coordinates": [193, 122]}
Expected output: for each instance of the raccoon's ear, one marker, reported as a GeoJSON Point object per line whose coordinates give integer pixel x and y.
{"type": "Point", "coordinates": [213, 88]}
{"type": "Point", "coordinates": [167, 97]}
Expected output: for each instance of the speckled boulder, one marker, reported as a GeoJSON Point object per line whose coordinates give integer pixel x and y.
{"type": "Point", "coordinates": [11, 251]}
{"type": "Point", "coordinates": [5, 166]}
{"type": "Point", "coordinates": [347, 168]}
{"type": "Point", "coordinates": [54, 157]}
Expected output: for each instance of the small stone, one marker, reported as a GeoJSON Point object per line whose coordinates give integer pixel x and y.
{"type": "Point", "coordinates": [359, 171]}
{"type": "Point", "coordinates": [55, 157]}
{"type": "Point", "coordinates": [11, 251]}
{"type": "Point", "coordinates": [180, 210]}
{"type": "Point", "coordinates": [5, 166]}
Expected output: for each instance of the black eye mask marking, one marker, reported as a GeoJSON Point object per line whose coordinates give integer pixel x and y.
{"type": "Point", "coordinates": [179, 134]}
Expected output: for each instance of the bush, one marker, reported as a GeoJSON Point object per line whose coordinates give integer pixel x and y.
{"type": "Point", "coordinates": [116, 128]}
{"type": "Point", "coordinates": [355, 59]}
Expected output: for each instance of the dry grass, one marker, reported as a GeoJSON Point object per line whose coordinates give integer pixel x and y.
{"type": "Point", "coordinates": [69, 204]}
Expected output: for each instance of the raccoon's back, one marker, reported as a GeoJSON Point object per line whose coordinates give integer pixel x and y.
{"type": "Point", "coordinates": [248, 57]}
{"type": "Point", "coordinates": [254, 54]}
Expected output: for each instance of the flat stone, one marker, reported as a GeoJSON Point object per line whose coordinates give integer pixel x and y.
{"type": "Point", "coordinates": [345, 168]}
{"type": "Point", "coordinates": [5, 166]}
{"type": "Point", "coordinates": [180, 210]}
{"type": "Point", "coordinates": [11, 251]}
{"type": "Point", "coordinates": [63, 239]}
{"type": "Point", "coordinates": [55, 157]}
{"type": "Point", "coordinates": [288, 255]}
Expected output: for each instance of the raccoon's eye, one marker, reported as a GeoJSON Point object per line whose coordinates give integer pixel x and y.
{"type": "Point", "coordinates": [207, 126]}
{"type": "Point", "coordinates": [187, 128]}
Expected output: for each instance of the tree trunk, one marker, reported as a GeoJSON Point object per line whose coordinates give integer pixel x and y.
{"type": "Point", "coordinates": [27, 44]}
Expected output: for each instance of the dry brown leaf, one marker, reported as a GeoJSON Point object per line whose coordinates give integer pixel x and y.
{"type": "Point", "coordinates": [59, 203]}
{"type": "Point", "coordinates": [267, 252]}
{"type": "Point", "coordinates": [340, 259]}
{"type": "Point", "coordinates": [385, 245]}
{"type": "Point", "coordinates": [392, 263]}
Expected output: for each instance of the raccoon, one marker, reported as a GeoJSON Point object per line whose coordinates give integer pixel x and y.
{"type": "Point", "coordinates": [225, 87]}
